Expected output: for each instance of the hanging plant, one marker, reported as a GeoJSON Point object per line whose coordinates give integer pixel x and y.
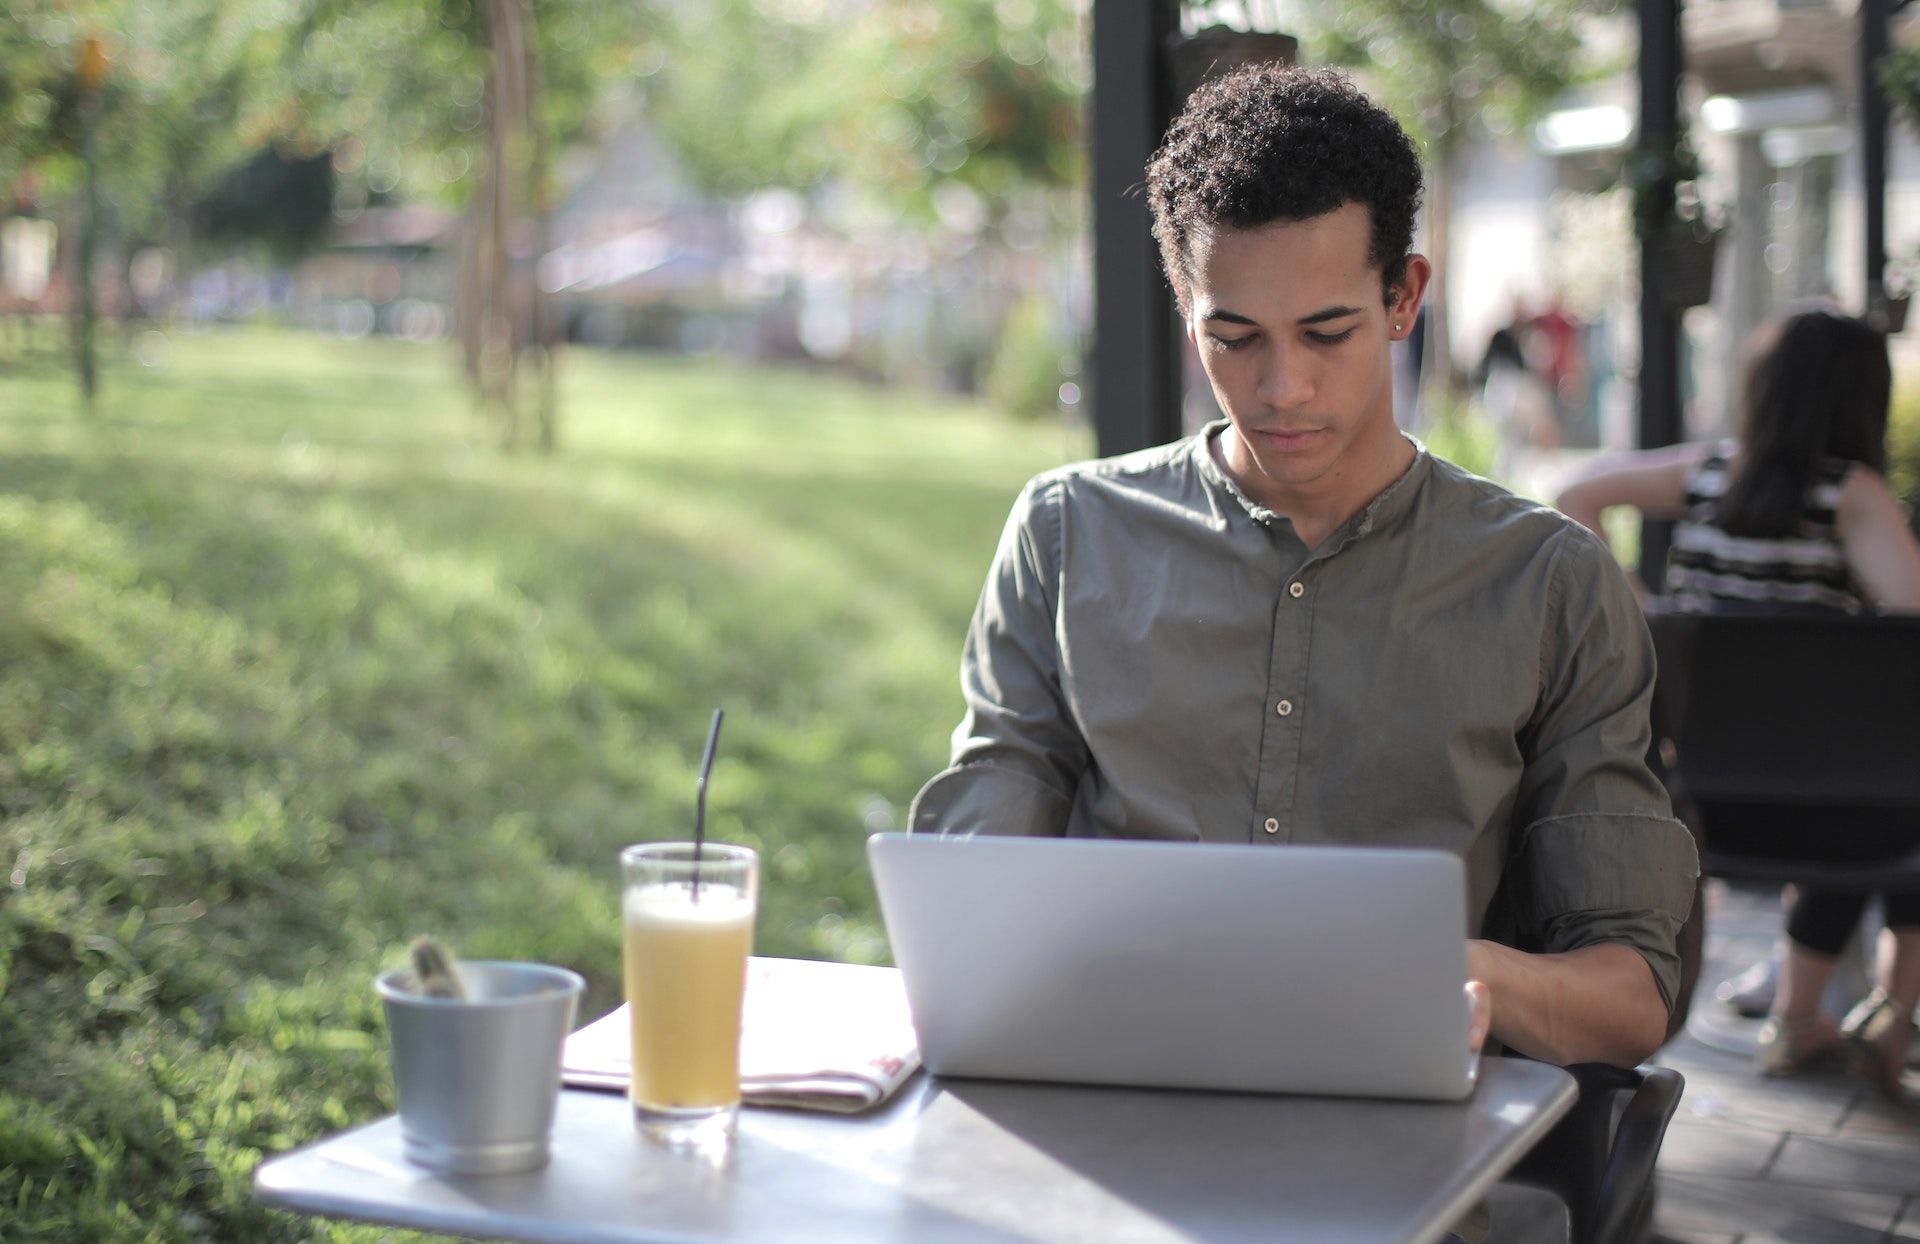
{"type": "Point", "coordinates": [1682, 235]}
{"type": "Point", "coordinates": [1899, 76]}
{"type": "Point", "coordinates": [1902, 277]}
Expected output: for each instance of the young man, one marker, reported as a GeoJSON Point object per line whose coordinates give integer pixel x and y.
{"type": "Point", "coordinates": [1299, 627]}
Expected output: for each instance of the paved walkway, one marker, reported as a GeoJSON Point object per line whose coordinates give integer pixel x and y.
{"type": "Point", "coordinates": [1808, 1160]}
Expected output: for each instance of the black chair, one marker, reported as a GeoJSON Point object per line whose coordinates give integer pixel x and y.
{"type": "Point", "coordinates": [1599, 1159]}
{"type": "Point", "coordinates": [1805, 721]}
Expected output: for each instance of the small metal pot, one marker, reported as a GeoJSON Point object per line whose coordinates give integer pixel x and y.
{"type": "Point", "coordinates": [477, 1078]}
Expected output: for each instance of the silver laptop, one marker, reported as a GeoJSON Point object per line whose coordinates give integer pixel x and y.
{"type": "Point", "coordinates": [1332, 970]}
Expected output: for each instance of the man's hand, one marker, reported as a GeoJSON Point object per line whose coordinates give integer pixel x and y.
{"type": "Point", "coordinates": [1598, 1004]}
{"type": "Point", "coordinates": [1479, 1014]}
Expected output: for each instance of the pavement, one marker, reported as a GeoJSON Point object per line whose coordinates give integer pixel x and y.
{"type": "Point", "coordinates": [1816, 1159]}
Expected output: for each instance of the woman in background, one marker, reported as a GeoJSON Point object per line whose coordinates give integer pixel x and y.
{"type": "Point", "coordinates": [1795, 515]}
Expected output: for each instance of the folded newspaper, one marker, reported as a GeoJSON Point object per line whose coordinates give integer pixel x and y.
{"type": "Point", "coordinates": [815, 1036]}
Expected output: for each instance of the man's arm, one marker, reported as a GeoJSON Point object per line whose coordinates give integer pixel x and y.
{"type": "Point", "coordinates": [1017, 754]}
{"type": "Point", "coordinates": [1599, 1004]}
{"type": "Point", "coordinates": [1600, 873]}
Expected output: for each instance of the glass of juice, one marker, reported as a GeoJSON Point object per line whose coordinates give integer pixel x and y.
{"type": "Point", "coordinates": [689, 930]}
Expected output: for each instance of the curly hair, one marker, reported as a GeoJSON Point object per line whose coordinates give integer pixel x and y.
{"type": "Point", "coordinates": [1271, 143]}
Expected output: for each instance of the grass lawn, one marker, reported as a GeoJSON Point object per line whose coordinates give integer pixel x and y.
{"type": "Point", "coordinates": [294, 666]}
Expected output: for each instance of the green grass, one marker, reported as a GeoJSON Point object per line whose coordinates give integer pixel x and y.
{"type": "Point", "coordinates": [293, 665]}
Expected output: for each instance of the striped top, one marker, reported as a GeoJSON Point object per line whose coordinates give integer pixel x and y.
{"type": "Point", "coordinates": [1806, 568]}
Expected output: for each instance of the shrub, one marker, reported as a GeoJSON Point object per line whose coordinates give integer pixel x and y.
{"type": "Point", "coordinates": [1458, 431]}
{"type": "Point", "coordinates": [1030, 361]}
{"type": "Point", "coordinates": [1903, 444]}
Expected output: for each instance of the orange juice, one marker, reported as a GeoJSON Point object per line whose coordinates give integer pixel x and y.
{"type": "Point", "coordinates": [686, 972]}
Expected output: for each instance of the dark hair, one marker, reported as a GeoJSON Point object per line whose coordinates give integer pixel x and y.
{"type": "Point", "coordinates": [1818, 390]}
{"type": "Point", "coordinates": [1270, 143]}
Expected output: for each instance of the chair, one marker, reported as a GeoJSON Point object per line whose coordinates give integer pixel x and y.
{"type": "Point", "coordinates": [1599, 1159]}
{"type": "Point", "coordinates": [1813, 719]}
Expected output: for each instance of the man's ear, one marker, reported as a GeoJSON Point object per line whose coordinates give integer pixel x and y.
{"type": "Point", "coordinates": [1407, 297]}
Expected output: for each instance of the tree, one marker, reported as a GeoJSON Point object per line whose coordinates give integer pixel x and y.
{"type": "Point", "coordinates": [439, 98]}
{"type": "Point", "coordinates": [893, 103]}
{"type": "Point", "coordinates": [1446, 67]}
{"type": "Point", "coordinates": [132, 106]}
{"type": "Point", "coordinates": [464, 101]}
{"type": "Point", "coordinates": [36, 74]}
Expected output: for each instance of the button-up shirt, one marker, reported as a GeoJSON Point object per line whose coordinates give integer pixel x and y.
{"type": "Point", "coordinates": [1155, 655]}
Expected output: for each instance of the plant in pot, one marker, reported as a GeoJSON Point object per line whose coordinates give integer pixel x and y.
{"type": "Point", "coordinates": [1887, 309]}
{"type": "Point", "coordinates": [476, 1050]}
{"type": "Point", "coordinates": [1674, 223]}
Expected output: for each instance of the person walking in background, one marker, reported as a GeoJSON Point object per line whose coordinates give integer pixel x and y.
{"type": "Point", "coordinates": [1562, 366]}
{"type": "Point", "coordinates": [1518, 381]}
{"type": "Point", "coordinates": [1795, 515]}
{"type": "Point", "coordinates": [1514, 397]}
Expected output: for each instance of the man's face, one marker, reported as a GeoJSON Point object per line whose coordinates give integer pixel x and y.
{"type": "Point", "coordinates": [1293, 332]}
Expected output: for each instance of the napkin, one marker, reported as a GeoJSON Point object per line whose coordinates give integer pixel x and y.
{"type": "Point", "coordinates": [814, 1036]}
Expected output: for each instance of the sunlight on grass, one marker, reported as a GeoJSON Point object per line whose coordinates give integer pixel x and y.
{"type": "Point", "coordinates": [298, 664]}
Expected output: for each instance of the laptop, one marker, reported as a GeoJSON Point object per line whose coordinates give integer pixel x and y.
{"type": "Point", "coordinates": [1323, 970]}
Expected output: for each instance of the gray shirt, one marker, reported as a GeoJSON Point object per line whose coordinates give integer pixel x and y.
{"type": "Point", "coordinates": [1155, 655]}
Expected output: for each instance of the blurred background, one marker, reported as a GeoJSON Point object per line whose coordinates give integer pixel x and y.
{"type": "Point", "coordinates": [416, 416]}
{"type": "Point", "coordinates": [892, 191]}
{"type": "Point", "coordinates": [884, 190]}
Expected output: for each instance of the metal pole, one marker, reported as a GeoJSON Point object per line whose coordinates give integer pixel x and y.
{"type": "Point", "coordinates": [1136, 363]}
{"type": "Point", "coordinates": [1660, 64]}
{"type": "Point", "coordinates": [1873, 153]}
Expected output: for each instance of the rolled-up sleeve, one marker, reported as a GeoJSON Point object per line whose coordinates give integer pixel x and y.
{"type": "Point", "coordinates": [1017, 755]}
{"type": "Point", "coordinates": [1599, 856]}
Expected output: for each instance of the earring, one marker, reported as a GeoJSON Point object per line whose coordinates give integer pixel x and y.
{"type": "Point", "coordinates": [1396, 328]}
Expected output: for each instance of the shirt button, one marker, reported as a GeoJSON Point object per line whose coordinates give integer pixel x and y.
{"type": "Point", "coordinates": [1273, 826]}
{"type": "Point", "coordinates": [1296, 589]}
{"type": "Point", "coordinates": [1284, 708]}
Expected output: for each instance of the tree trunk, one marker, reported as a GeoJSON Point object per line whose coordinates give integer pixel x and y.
{"type": "Point", "coordinates": [83, 253]}
{"type": "Point", "coordinates": [501, 309]}
{"type": "Point", "coordinates": [542, 325]}
{"type": "Point", "coordinates": [1440, 379]}
{"type": "Point", "coordinates": [466, 297]}
{"type": "Point", "coordinates": [492, 346]}
{"type": "Point", "coordinates": [1436, 360]}
{"type": "Point", "coordinates": [497, 345]}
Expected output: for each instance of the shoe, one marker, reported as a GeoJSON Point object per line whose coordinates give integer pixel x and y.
{"type": "Point", "coordinates": [1876, 1033]}
{"type": "Point", "coordinates": [1750, 993]}
{"type": "Point", "coordinates": [1789, 1049]}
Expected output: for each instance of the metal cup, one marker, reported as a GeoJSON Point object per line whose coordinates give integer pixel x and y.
{"type": "Point", "coordinates": [478, 1078]}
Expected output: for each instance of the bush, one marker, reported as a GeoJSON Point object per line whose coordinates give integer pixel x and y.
{"type": "Point", "coordinates": [1903, 444]}
{"type": "Point", "coordinates": [1030, 361]}
{"type": "Point", "coordinates": [1459, 433]}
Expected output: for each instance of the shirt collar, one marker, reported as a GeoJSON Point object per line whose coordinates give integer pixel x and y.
{"type": "Point", "coordinates": [1392, 501]}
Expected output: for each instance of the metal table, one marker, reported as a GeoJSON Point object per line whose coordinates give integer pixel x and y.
{"type": "Point", "coordinates": [974, 1160]}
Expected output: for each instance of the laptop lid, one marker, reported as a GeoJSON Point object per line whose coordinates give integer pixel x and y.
{"type": "Point", "coordinates": [1333, 970]}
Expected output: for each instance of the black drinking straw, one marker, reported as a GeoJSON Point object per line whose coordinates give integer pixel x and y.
{"type": "Point", "coordinates": [700, 804]}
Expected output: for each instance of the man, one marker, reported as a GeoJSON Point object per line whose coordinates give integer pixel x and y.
{"type": "Point", "coordinates": [1299, 627]}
